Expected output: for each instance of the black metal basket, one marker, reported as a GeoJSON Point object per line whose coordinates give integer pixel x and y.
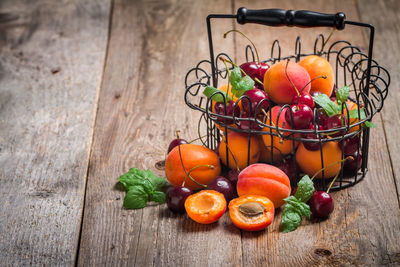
{"type": "Point", "coordinates": [369, 84]}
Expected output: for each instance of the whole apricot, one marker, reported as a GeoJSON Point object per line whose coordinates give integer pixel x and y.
{"type": "Point", "coordinates": [264, 180]}
{"type": "Point", "coordinates": [192, 156]}
{"type": "Point", "coordinates": [310, 161]}
{"type": "Point", "coordinates": [318, 66]}
{"type": "Point", "coordinates": [277, 143]}
{"type": "Point", "coordinates": [277, 85]}
{"type": "Point", "coordinates": [238, 150]}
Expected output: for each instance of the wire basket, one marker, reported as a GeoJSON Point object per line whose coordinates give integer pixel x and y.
{"type": "Point", "coordinates": [368, 81]}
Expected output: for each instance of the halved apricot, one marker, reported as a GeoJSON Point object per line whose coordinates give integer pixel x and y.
{"type": "Point", "coordinates": [251, 212]}
{"type": "Point", "coordinates": [206, 206]}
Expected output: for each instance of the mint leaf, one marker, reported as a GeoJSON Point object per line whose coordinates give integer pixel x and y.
{"type": "Point", "coordinates": [235, 76]}
{"type": "Point", "coordinates": [158, 196]}
{"type": "Point", "coordinates": [342, 94]}
{"type": "Point", "coordinates": [354, 115]}
{"type": "Point", "coordinates": [135, 177]}
{"type": "Point", "coordinates": [158, 182]}
{"type": "Point", "coordinates": [330, 107]}
{"type": "Point", "coordinates": [135, 198]}
{"type": "Point", "coordinates": [290, 220]}
{"type": "Point", "coordinates": [219, 97]}
{"type": "Point", "coordinates": [305, 189]}
{"type": "Point", "coordinates": [300, 207]}
{"type": "Point", "coordinates": [370, 124]}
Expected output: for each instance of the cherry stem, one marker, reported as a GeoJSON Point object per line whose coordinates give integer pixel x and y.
{"type": "Point", "coordinates": [198, 130]}
{"type": "Point", "coordinates": [198, 138]}
{"type": "Point", "coordinates": [257, 80]}
{"type": "Point", "coordinates": [227, 71]}
{"type": "Point", "coordinates": [330, 165]}
{"type": "Point", "coordinates": [255, 48]}
{"type": "Point", "coordinates": [233, 64]}
{"type": "Point", "coordinates": [327, 39]}
{"type": "Point", "coordinates": [191, 178]}
{"type": "Point", "coordinates": [333, 181]}
{"type": "Point", "coordinates": [287, 76]}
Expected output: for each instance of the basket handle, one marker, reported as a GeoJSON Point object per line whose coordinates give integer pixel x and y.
{"type": "Point", "coordinates": [280, 17]}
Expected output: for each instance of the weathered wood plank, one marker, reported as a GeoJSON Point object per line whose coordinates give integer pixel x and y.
{"type": "Point", "coordinates": [386, 50]}
{"type": "Point", "coordinates": [152, 46]}
{"type": "Point", "coordinates": [52, 57]}
{"type": "Point", "coordinates": [364, 228]}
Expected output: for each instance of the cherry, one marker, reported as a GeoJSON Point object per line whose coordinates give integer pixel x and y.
{"type": "Point", "coordinates": [322, 117]}
{"type": "Point", "coordinates": [302, 116]}
{"type": "Point", "coordinates": [245, 124]}
{"type": "Point", "coordinates": [312, 145]}
{"type": "Point", "coordinates": [232, 176]}
{"type": "Point", "coordinates": [176, 142]}
{"type": "Point", "coordinates": [176, 197]}
{"type": "Point", "coordinates": [224, 186]}
{"type": "Point", "coordinates": [334, 122]}
{"type": "Point", "coordinates": [350, 144]}
{"type": "Point", "coordinates": [255, 70]}
{"type": "Point", "coordinates": [304, 98]}
{"type": "Point", "coordinates": [231, 110]}
{"type": "Point", "coordinates": [321, 204]}
{"type": "Point", "coordinates": [255, 96]}
{"type": "Point", "coordinates": [354, 163]}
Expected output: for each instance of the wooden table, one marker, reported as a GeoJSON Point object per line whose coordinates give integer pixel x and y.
{"type": "Point", "coordinates": [89, 89]}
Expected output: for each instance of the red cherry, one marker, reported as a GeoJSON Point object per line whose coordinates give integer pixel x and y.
{"type": "Point", "coordinates": [255, 70]}
{"type": "Point", "coordinates": [312, 145]}
{"type": "Point", "coordinates": [231, 110]}
{"type": "Point", "coordinates": [255, 96]}
{"type": "Point", "coordinates": [304, 98]}
{"type": "Point", "coordinates": [334, 122]}
{"type": "Point", "coordinates": [350, 144]}
{"type": "Point", "coordinates": [245, 124]}
{"type": "Point", "coordinates": [175, 143]}
{"type": "Point", "coordinates": [321, 204]}
{"type": "Point", "coordinates": [354, 163]}
{"type": "Point", "coordinates": [302, 116]}
{"type": "Point", "coordinates": [176, 197]}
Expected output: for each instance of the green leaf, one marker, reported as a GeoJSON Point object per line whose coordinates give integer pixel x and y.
{"type": "Point", "coordinates": [158, 196]}
{"type": "Point", "coordinates": [217, 97]}
{"type": "Point", "coordinates": [235, 76]}
{"type": "Point", "coordinates": [370, 124]}
{"type": "Point", "coordinates": [290, 220]}
{"type": "Point", "coordinates": [342, 94]}
{"type": "Point", "coordinates": [354, 115]}
{"type": "Point", "coordinates": [135, 198]}
{"type": "Point", "coordinates": [158, 182]}
{"type": "Point", "coordinates": [330, 107]}
{"type": "Point", "coordinates": [135, 177]}
{"type": "Point", "coordinates": [305, 189]}
{"type": "Point", "coordinates": [300, 207]}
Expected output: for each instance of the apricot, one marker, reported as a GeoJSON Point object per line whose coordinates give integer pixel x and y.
{"type": "Point", "coordinates": [224, 88]}
{"type": "Point", "coordinates": [251, 212]}
{"type": "Point", "coordinates": [238, 149]}
{"type": "Point", "coordinates": [310, 161]}
{"type": "Point", "coordinates": [278, 87]}
{"type": "Point", "coordinates": [280, 145]}
{"type": "Point", "coordinates": [317, 66]}
{"type": "Point", "coordinates": [351, 105]}
{"type": "Point", "coordinates": [265, 153]}
{"type": "Point", "coordinates": [206, 206]}
{"type": "Point", "coordinates": [192, 156]}
{"type": "Point", "coordinates": [264, 180]}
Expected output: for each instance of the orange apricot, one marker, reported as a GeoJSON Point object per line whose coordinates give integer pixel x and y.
{"type": "Point", "coordinates": [238, 150]}
{"type": "Point", "coordinates": [251, 212]}
{"type": "Point", "coordinates": [206, 206]}
{"type": "Point", "coordinates": [310, 161]}
{"type": "Point", "coordinates": [279, 88]}
{"type": "Point", "coordinates": [264, 180]}
{"type": "Point", "coordinates": [280, 145]}
{"type": "Point", "coordinates": [192, 156]}
{"type": "Point", "coordinates": [351, 106]}
{"type": "Point", "coordinates": [265, 153]}
{"type": "Point", "coordinates": [317, 66]}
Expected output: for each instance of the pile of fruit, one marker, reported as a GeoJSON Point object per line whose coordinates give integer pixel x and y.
{"type": "Point", "coordinates": [277, 123]}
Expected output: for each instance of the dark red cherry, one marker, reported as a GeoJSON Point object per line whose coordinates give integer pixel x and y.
{"type": "Point", "coordinates": [231, 110]}
{"type": "Point", "coordinates": [175, 143]}
{"type": "Point", "coordinates": [335, 122]}
{"type": "Point", "coordinates": [232, 176]}
{"type": "Point", "coordinates": [249, 122]}
{"type": "Point", "coordinates": [255, 96]}
{"type": "Point", "coordinates": [354, 163]}
{"type": "Point", "coordinates": [322, 117]}
{"type": "Point", "coordinates": [311, 145]}
{"type": "Point", "coordinates": [224, 186]}
{"type": "Point", "coordinates": [255, 70]}
{"type": "Point", "coordinates": [321, 204]}
{"type": "Point", "coordinates": [289, 167]}
{"type": "Point", "coordinates": [304, 98]}
{"type": "Point", "coordinates": [302, 116]}
{"type": "Point", "coordinates": [176, 197]}
{"type": "Point", "coordinates": [350, 144]}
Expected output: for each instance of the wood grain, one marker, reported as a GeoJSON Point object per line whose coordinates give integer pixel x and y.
{"type": "Point", "coordinates": [386, 51]}
{"type": "Point", "coordinates": [364, 228]}
{"type": "Point", "coordinates": [52, 57]}
{"type": "Point", "coordinates": [152, 46]}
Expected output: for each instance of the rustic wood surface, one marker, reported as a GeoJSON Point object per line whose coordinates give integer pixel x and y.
{"type": "Point", "coordinates": [89, 89]}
